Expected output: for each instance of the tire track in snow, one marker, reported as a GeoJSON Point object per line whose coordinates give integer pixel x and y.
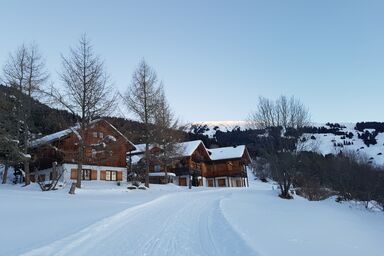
{"type": "Point", "coordinates": [187, 223]}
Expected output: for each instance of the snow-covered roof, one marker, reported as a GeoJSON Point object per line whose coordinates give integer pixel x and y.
{"type": "Point", "coordinates": [227, 152]}
{"type": "Point", "coordinates": [189, 147]}
{"type": "Point", "coordinates": [161, 174]}
{"type": "Point", "coordinates": [135, 159]}
{"type": "Point", "coordinates": [61, 134]}
{"type": "Point", "coordinates": [52, 137]}
{"type": "Point", "coordinates": [140, 148]}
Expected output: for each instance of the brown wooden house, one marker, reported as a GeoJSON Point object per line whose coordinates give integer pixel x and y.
{"type": "Point", "coordinates": [199, 166]}
{"type": "Point", "coordinates": [105, 153]}
{"type": "Point", "coordinates": [228, 167]}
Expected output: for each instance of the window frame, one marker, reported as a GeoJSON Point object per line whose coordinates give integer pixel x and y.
{"type": "Point", "coordinates": [84, 175]}
{"type": "Point", "coordinates": [110, 175]}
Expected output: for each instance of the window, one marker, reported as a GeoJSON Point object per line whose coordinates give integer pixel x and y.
{"type": "Point", "coordinates": [157, 168]}
{"type": "Point", "coordinates": [111, 175]}
{"type": "Point", "coordinates": [94, 134]}
{"type": "Point", "coordinates": [86, 174]}
{"type": "Point", "coordinates": [221, 183]}
{"type": "Point", "coordinates": [101, 135]}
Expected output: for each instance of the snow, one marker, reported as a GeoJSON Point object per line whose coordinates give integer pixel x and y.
{"type": "Point", "coordinates": [140, 148]}
{"type": "Point", "coordinates": [58, 135]}
{"type": "Point", "coordinates": [161, 174]}
{"type": "Point", "coordinates": [189, 147]}
{"type": "Point", "coordinates": [223, 126]}
{"type": "Point", "coordinates": [227, 152]}
{"type": "Point", "coordinates": [106, 219]}
{"type": "Point", "coordinates": [299, 227]}
{"type": "Point", "coordinates": [324, 144]}
{"type": "Point", "coordinates": [52, 137]}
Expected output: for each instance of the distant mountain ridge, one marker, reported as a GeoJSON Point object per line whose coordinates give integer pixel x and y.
{"type": "Point", "coordinates": [209, 128]}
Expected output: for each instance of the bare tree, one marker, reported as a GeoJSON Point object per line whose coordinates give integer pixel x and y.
{"type": "Point", "coordinates": [141, 98]}
{"type": "Point", "coordinates": [285, 112]}
{"type": "Point", "coordinates": [167, 135]}
{"type": "Point", "coordinates": [25, 71]}
{"type": "Point", "coordinates": [86, 91]}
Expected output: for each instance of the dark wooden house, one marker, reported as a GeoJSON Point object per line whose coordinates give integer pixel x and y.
{"type": "Point", "coordinates": [105, 153]}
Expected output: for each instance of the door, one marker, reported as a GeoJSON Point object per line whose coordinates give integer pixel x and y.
{"type": "Point", "coordinates": [182, 181]}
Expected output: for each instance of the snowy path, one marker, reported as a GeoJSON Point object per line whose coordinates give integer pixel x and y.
{"type": "Point", "coordinates": [184, 223]}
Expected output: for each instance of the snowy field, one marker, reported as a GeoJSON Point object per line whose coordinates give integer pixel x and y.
{"type": "Point", "coordinates": [169, 220]}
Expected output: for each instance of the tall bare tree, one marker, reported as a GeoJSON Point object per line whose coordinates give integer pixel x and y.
{"type": "Point", "coordinates": [167, 135]}
{"type": "Point", "coordinates": [25, 71]}
{"type": "Point", "coordinates": [86, 91]}
{"type": "Point", "coordinates": [277, 115]}
{"type": "Point", "coordinates": [285, 112]}
{"type": "Point", "coordinates": [142, 99]}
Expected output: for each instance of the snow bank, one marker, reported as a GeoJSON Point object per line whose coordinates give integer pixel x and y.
{"type": "Point", "coordinates": [273, 226]}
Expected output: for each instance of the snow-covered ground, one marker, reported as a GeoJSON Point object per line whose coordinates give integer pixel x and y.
{"type": "Point", "coordinates": [102, 219]}
{"type": "Point", "coordinates": [324, 143]}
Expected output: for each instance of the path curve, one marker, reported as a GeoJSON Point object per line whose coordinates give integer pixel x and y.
{"type": "Point", "coordinates": [185, 223]}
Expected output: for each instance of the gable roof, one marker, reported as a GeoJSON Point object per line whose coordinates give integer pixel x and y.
{"type": "Point", "coordinates": [227, 153]}
{"type": "Point", "coordinates": [61, 134]}
{"type": "Point", "coordinates": [187, 148]}
{"type": "Point", "coordinates": [140, 149]}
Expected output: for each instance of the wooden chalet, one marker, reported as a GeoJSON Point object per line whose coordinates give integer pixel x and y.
{"type": "Point", "coordinates": [228, 167]}
{"type": "Point", "coordinates": [222, 167]}
{"type": "Point", "coordinates": [105, 153]}
{"type": "Point", "coordinates": [192, 163]}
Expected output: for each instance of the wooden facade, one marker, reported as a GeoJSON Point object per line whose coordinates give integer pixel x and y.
{"type": "Point", "coordinates": [105, 146]}
{"type": "Point", "coordinates": [201, 169]}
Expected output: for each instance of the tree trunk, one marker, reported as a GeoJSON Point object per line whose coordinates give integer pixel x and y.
{"type": "Point", "coordinates": [26, 161]}
{"type": "Point", "coordinates": [80, 165]}
{"type": "Point", "coordinates": [27, 177]}
{"type": "Point", "coordinates": [147, 165]}
{"type": "Point", "coordinates": [166, 174]}
{"type": "Point", "coordinates": [5, 174]}
{"type": "Point", "coordinates": [72, 189]}
{"type": "Point", "coordinates": [54, 171]}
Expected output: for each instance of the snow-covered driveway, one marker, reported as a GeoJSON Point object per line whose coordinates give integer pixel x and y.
{"type": "Point", "coordinates": [183, 223]}
{"type": "Point", "coordinates": [175, 221]}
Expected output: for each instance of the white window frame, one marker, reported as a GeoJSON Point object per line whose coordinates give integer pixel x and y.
{"type": "Point", "coordinates": [84, 175]}
{"type": "Point", "coordinates": [111, 175]}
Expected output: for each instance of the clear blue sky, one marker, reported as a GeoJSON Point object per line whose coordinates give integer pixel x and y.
{"type": "Point", "coordinates": [217, 57]}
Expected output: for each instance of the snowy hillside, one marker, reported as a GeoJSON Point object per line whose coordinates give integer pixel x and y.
{"type": "Point", "coordinates": [326, 140]}
{"type": "Point", "coordinates": [329, 143]}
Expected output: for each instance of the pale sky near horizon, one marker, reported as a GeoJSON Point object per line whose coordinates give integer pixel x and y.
{"type": "Point", "coordinates": [216, 57]}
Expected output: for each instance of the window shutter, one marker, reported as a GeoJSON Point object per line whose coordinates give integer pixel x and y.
{"type": "Point", "coordinates": [102, 175]}
{"type": "Point", "coordinates": [73, 174]}
{"type": "Point", "coordinates": [119, 176]}
{"type": "Point", "coordinates": [93, 175]}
